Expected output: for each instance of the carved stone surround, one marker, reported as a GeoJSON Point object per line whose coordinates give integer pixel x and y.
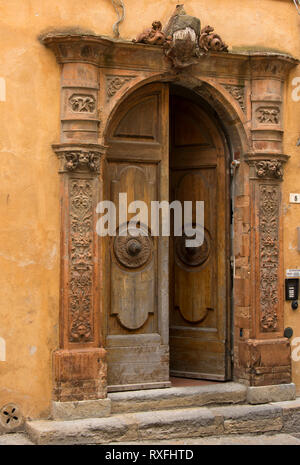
{"type": "Point", "coordinates": [96, 74]}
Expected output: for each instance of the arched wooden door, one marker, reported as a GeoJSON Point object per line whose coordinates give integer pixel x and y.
{"type": "Point", "coordinates": [199, 277]}
{"type": "Point", "coordinates": [145, 285]}
{"type": "Point", "coordinates": [136, 270]}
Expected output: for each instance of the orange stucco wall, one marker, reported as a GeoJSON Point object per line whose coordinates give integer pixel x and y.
{"type": "Point", "coordinates": [29, 192]}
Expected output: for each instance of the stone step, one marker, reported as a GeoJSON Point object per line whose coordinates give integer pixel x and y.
{"type": "Point", "coordinates": [280, 439]}
{"type": "Point", "coordinates": [169, 424]}
{"type": "Point", "coordinates": [177, 397]}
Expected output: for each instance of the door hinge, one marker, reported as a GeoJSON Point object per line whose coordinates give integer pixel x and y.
{"type": "Point", "coordinates": [234, 165]}
{"type": "Point", "coordinates": [232, 265]}
{"type": "Point", "coordinates": [232, 261]}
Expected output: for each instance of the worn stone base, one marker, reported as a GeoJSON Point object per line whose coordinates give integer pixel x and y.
{"type": "Point", "coordinates": [290, 415]}
{"type": "Point", "coordinates": [263, 362]}
{"type": "Point", "coordinates": [79, 374]}
{"type": "Point", "coordinates": [273, 393]}
{"type": "Point", "coordinates": [168, 424]}
{"type": "Point", "coordinates": [83, 409]}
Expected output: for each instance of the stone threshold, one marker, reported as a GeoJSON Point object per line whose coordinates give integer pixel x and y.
{"type": "Point", "coordinates": [172, 398]}
{"type": "Point", "coordinates": [272, 418]}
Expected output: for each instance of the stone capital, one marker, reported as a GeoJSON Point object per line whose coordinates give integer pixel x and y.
{"type": "Point", "coordinates": [271, 65]}
{"type": "Point", "coordinates": [76, 46]}
{"type": "Point", "coordinates": [79, 157]}
{"type": "Point", "coordinates": [269, 169]}
{"type": "Point", "coordinates": [266, 166]}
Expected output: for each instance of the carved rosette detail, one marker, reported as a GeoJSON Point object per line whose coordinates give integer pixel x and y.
{"type": "Point", "coordinates": [269, 256]}
{"type": "Point", "coordinates": [80, 159]}
{"type": "Point", "coordinates": [238, 93]}
{"type": "Point", "coordinates": [269, 169]}
{"type": "Point", "coordinates": [81, 260]}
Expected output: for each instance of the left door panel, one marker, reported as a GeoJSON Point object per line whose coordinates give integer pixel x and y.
{"type": "Point", "coordinates": [136, 268]}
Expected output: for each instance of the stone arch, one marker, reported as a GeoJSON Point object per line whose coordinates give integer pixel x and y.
{"type": "Point", "coordinates": [230, 114]}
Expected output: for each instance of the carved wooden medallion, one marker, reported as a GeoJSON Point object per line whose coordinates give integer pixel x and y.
{"type": "Point", "coordinates": [193, 256]}
{"type": "Point", "coordinates": [133, 251]}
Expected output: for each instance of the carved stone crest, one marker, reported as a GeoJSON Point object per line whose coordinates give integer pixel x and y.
{"type": "Point", "coordinates": [183, 32]}
{"type": "Point", "coordinates": [182, 38]}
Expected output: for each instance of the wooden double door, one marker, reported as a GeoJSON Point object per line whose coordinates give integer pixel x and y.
{"type": "Point", "coordinates": [166, 305]}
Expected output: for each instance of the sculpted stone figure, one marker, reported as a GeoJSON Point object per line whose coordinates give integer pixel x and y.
{"type": "Point", "coordinates": [153, 36]}
{"type": "Point", "coordinates": [210, 41]}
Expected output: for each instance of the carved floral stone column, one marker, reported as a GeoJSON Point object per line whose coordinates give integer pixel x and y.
{"type": "Point", "coordinates": [264, 356]}
{"type": "Point", "coordinates": [80, 362]}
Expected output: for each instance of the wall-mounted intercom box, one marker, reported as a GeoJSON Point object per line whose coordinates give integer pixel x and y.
{"type": "Point", "coordinates": [291, 288]}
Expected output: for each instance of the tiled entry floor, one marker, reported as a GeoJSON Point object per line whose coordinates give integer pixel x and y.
{"type": "Point", "coordinates": [181, 382]}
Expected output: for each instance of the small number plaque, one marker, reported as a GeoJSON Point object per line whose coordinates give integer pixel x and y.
{"type": "Point", "coordinates": [294, 198]}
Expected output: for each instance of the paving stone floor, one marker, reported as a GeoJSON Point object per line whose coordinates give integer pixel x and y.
{"type": "Point", "coordinates": [276, 439]}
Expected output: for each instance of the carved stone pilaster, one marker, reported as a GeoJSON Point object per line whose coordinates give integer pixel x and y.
{"type": "Point", "coordinates": [269, 256]}
{"type": "Point", "coordinates": [264, 358]}
{"type": "Point", "coordinates": [265, 175]}
{"type": "Point", "coordinates": [80, 263]}
{"type": "Point", "coordinates": [80, 167]}
{"type": "Point", "coordinates": [269, 239]}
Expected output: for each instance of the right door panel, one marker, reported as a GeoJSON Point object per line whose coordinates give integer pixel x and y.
{"type": "Point", "coordinates": [199, 284]}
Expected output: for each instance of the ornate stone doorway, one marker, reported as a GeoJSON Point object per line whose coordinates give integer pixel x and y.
{"type": "Point", "coordinates": [247, 93]}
